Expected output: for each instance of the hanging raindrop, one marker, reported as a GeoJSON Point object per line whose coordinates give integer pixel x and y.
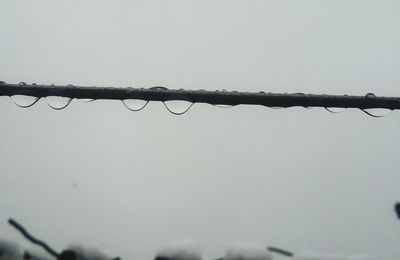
{"type": "Point", "coordinates": [24, 101]}
{"type": "Point", "coordinates": [376, 112]}
{"type": "Point", "coordinates": [178, 107]}
{"type": "Point", "coordinates": [135, 104]}
{"type": "Point", "coordinates": [58, 103]}
{"type": "Point", "coordinates": [334, 109]}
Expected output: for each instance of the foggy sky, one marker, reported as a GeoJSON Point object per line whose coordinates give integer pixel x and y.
{"type": "Point", "coordinates": [127, 182]}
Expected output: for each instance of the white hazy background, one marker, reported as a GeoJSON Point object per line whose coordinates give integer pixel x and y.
{"type": "Point", "coordinates": [127, 182]}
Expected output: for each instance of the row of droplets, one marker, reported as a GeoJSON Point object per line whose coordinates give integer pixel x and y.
{"type": "Point", "coordinates": [176, 107]}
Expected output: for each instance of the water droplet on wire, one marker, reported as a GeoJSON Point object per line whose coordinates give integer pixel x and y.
{"type": "Point", "coordinates": [86, 99]}
{"type": "Point", "coordinates": [223, 106]}
{"type": "Point", "coordinates": [24, 101]}
{"type": "Point", "coordinates": [135, 104]}
{"type": "Point", "coordinates": [370, 96]}
{"type": "Point", "coordinates": [376, 112]}
{"type": "Point", "coordinates": [159, 88]}
{"type": "Point", "coordinates": [178, 107]}
{"type": "Point", "coordinates": [58, 103]}
{"type": "Point", "coordinates": [334, 109]}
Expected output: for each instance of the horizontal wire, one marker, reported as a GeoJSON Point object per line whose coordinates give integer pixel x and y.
{"type": "Point", "coordinates": [231, 98]}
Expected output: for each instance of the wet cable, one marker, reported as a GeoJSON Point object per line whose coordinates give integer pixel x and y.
{"type": "Point", "coordinates": [221, 98]}
{"type": "Point", "coordinates": [32, 239]}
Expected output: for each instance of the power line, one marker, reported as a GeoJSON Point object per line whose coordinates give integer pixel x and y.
{"type": "Point", "coordinates": [229, 98]}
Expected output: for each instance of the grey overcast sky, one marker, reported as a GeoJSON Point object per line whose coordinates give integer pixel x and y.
{"type": "Point", "coordinates": [127, 182]}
